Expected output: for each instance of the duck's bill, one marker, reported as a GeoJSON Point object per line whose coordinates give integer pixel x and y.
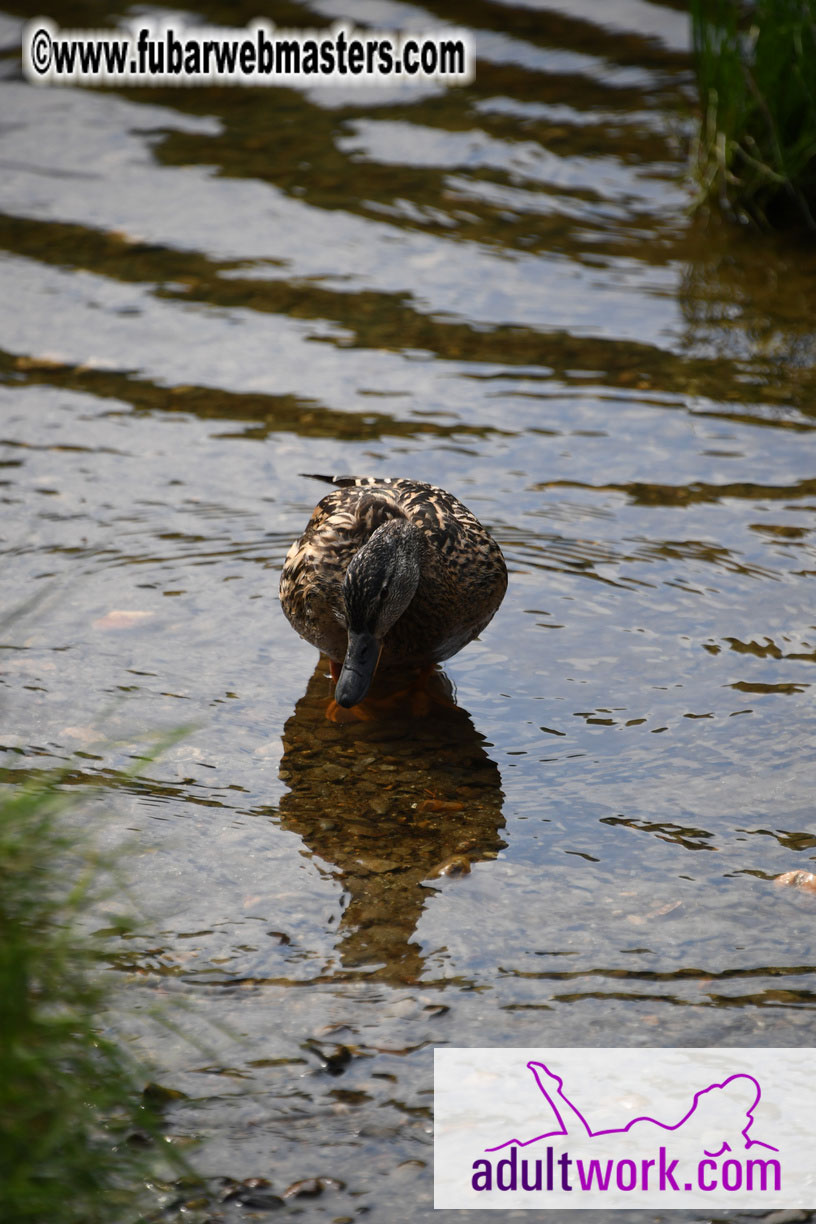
{"type": "Point", "coordinates": [359, 665]}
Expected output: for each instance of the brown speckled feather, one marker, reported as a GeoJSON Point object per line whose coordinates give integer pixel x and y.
{"type": "Point", "coordinates": [463, 575]}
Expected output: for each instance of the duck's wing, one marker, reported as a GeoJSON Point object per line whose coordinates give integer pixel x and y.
{"type": "Point", "coordinates": [311, 583]}
{"type": "Point", "coordinates": [448, 524]}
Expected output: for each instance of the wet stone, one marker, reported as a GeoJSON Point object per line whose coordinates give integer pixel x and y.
{"type": "Point", "coordinates": [378, 866]}
{"type": "Point", "coordinates": [311, 1187]}
{"type": "Point", "coordinates": [804, 880]}
{"type": "Point", "coordinates": [455, 866]}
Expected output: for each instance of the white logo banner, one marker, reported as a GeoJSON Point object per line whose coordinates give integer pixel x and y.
{"type": "Point", "coordinates": [640, 1128]}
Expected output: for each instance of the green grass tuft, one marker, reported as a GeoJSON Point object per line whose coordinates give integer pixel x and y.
{"type": "Point", "coordinates": [755, 153]}
{"type": "Point", "coordinates": [70, 1098]}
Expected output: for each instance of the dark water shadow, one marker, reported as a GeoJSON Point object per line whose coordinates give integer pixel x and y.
{"type": "Point", "coordinates": [388, 805]}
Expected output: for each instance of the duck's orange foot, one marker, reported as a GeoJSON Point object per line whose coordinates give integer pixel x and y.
{"type": "Point", "coordinates": [343, 714]}
{"type": "Point", "coordinates": [427, 689]}
{"type": "Point", "coordinates": [413, 699]}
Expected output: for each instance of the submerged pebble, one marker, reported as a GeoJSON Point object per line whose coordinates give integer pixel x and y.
{"type": "Point", "coordinates": [454, 866]}
{"type": "Point", "coordinates": [311, 1187]}
{"type": "Point", "coordinates": [806, 880]}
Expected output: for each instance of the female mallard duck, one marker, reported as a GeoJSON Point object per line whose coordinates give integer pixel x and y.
{"type": "Point", "coordinates": [391, 569]}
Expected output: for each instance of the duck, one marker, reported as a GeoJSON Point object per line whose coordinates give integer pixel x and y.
{"type": "Point", "coordinates": [391, 575]}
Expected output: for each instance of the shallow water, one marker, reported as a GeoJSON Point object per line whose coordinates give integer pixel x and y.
{"type": "Point", "coordinates": [497, 289]}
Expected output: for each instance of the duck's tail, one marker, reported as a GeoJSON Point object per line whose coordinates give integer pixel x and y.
{"type": "Point", "coordinates": [345, 482]}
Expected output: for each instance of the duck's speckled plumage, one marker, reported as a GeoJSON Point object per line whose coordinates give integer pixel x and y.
{"type": "Point", "coordinates": [462, 579]}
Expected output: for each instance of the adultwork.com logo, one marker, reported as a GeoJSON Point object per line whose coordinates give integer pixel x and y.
{"type": "Point", "coordinates": [624, 1128]}
{"type": "Point", "coordinates": [739, 1096]}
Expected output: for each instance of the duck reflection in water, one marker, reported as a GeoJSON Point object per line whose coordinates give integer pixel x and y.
{"type": "Point", "coordinates": [389, 804]}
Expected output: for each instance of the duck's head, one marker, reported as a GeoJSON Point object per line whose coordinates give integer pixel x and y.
{"type": "Point", "coordinates": [380, 582]}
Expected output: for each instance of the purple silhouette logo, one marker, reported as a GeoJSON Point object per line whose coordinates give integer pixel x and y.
{"type": "Point", "coordinates": [727, 1108]}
